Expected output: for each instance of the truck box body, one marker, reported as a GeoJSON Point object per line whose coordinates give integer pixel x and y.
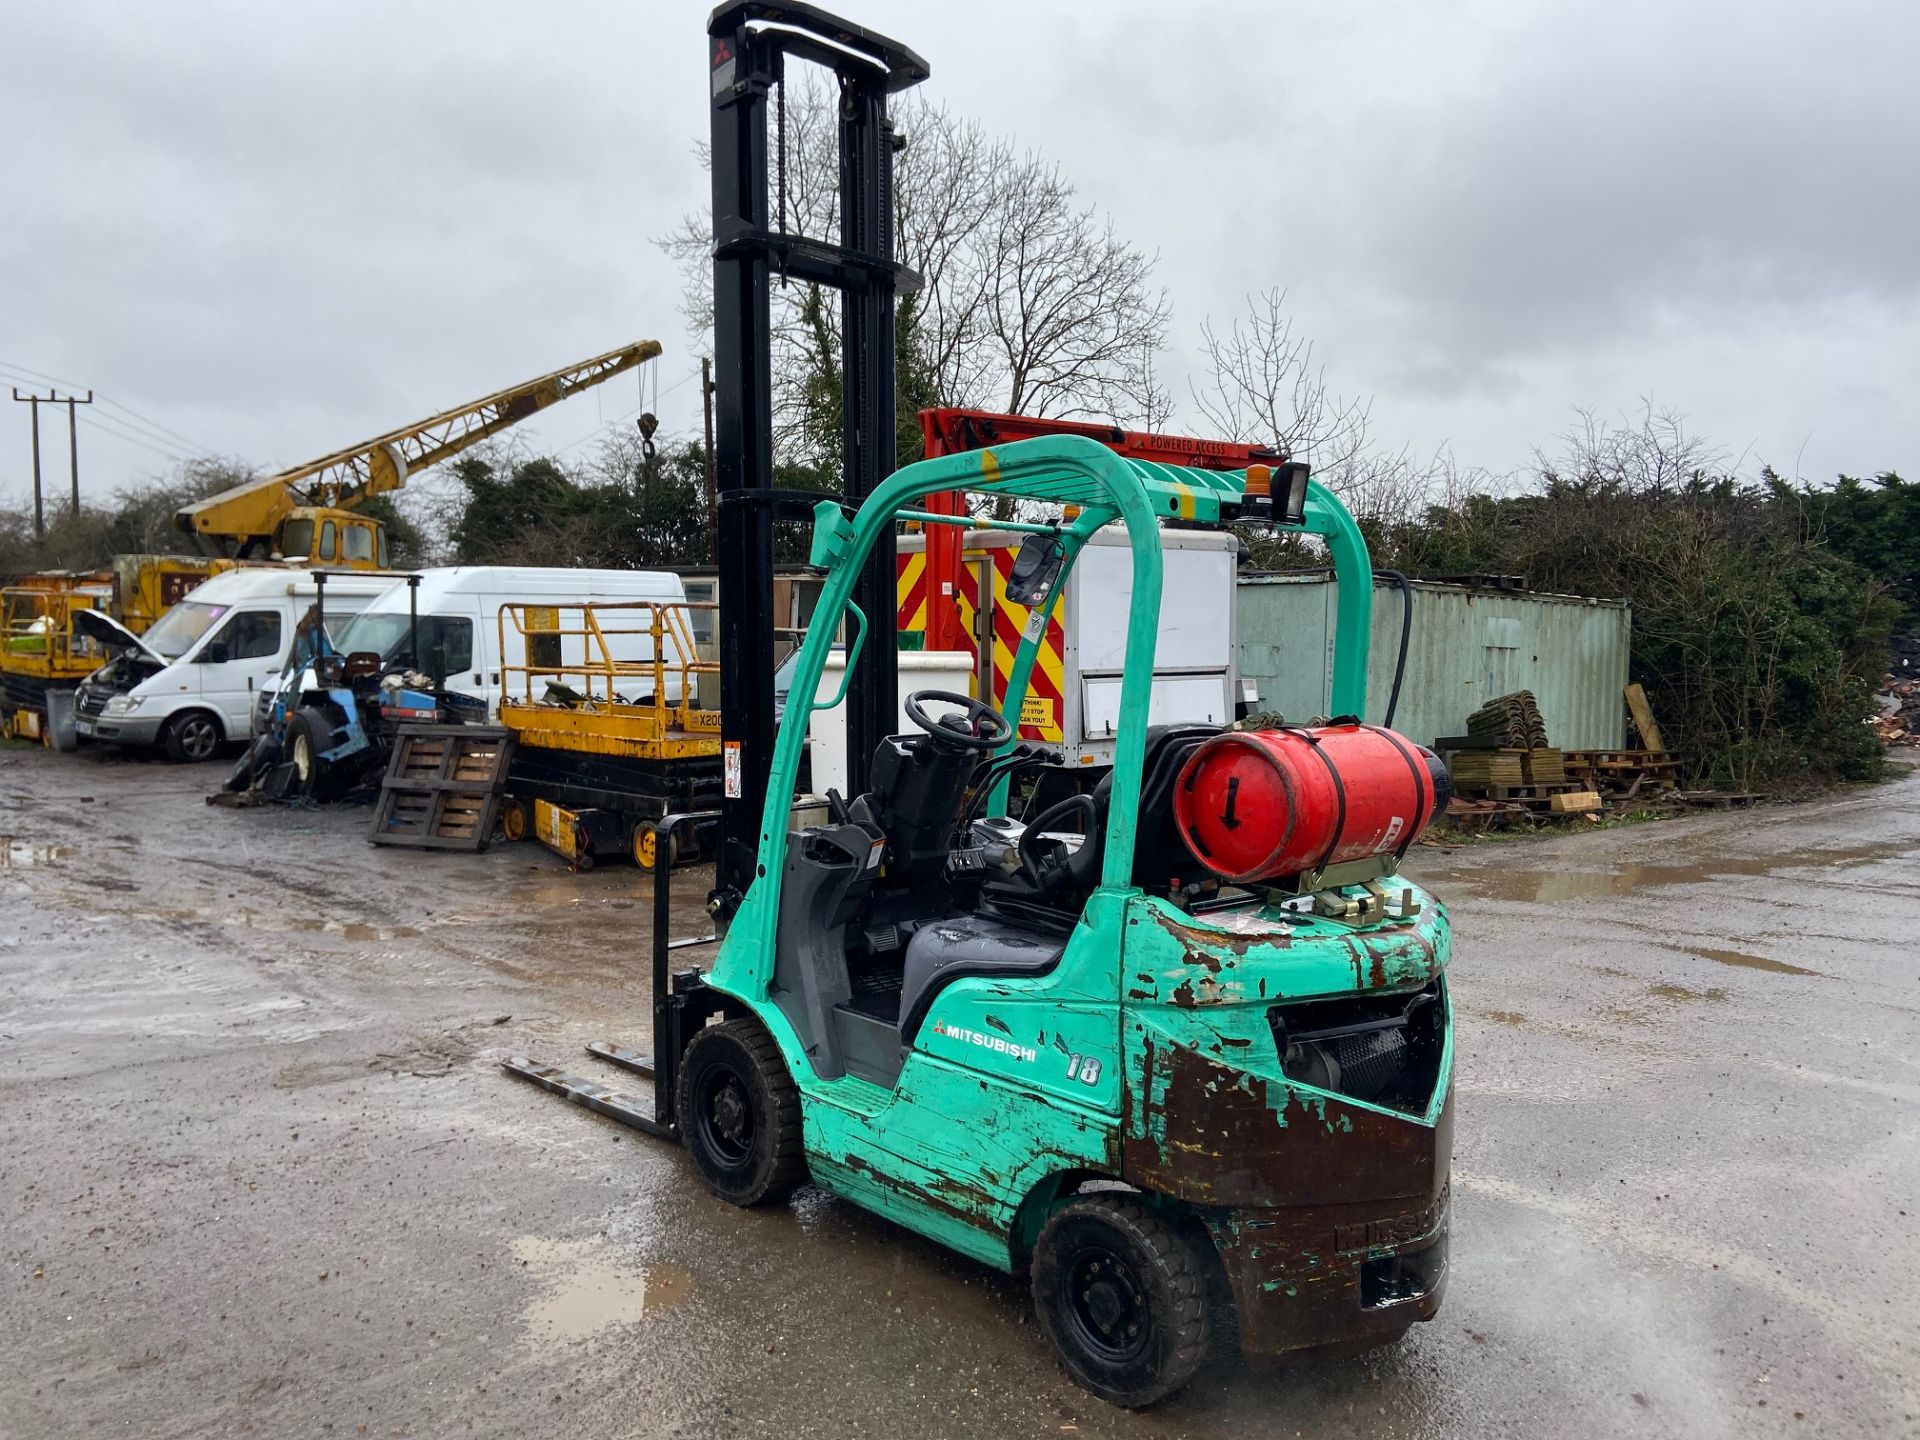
{"type": "Point", "coordinates": [1073, 700]}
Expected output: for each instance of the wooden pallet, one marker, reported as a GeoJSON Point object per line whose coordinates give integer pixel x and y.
{"type": "Point", "coordinates": [1544, 765]}
{"type": "Point", "coordinates": [1621, 760]}
{"type": "Point", "coordinates": [1516, 794]}
{"type": "Point", "coordinates": [442, 787]}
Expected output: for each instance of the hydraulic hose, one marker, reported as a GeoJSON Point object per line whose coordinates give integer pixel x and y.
{"type": "Point", "coordinates": [1406, 633]}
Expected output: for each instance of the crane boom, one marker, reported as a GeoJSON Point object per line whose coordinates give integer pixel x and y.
{"type": "Point", "coordinates": [252, 516]}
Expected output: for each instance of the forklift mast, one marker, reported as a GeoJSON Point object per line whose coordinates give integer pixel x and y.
{"type": "Point", "coordinates": [749, 44]}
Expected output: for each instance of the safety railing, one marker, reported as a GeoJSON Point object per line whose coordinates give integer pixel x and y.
{"type": "Point", "coordinates": [627, 656]}
{"type": "Point", "coordinates": [37, 635]}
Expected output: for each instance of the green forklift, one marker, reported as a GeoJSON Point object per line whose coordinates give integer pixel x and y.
{"type": "Point", "coordinates": [1179, 1045]}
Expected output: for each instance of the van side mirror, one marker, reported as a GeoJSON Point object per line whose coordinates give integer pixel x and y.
{"type": "Point", "coordinates": [217, 654]}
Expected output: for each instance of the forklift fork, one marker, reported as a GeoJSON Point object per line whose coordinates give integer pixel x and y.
{"type": "Point", "coordinates": [682, 1003]}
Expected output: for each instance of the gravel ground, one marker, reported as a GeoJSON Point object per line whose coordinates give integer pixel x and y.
{"type": "Point", "coordinates": [260, 1172]}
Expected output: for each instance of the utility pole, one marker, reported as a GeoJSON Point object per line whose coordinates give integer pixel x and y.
{"type": "Point", "coordinates": [73, 444]}
{"type": "Point", "coordinates": [35, 401]}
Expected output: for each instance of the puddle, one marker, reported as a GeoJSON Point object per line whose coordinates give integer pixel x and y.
{"type": "Point", "coordinates": [246, 919]}
{"type": "Point", "coordinates": [585, 1288]}
{"type": "Point", "coordinates": [1550, 886]}
{"type": "Point", "coordinates": [1743, 960]}
{"type": "Point", "coordinates": [1682, 995]}
{"type": "Point", "coordinates": [24, 855]}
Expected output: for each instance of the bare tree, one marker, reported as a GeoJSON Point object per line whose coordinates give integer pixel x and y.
{"type": "Point", "coordinates": [1031, 302]}
{"type": "Point", "coordinates": [1262, 385]}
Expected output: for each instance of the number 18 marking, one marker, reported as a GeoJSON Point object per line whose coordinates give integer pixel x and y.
{"type": "Point", "coordinates": [1083, 1068]}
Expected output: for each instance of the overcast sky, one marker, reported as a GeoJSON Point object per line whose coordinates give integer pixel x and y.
{"type": "Point", "coordinates": [274, 229]}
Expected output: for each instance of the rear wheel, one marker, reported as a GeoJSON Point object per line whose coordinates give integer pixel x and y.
{"type": "Point", "coordinates": [191, 737]}
{"type": "Point", "coordinates": [1121, 1292]}
{"type": "Point", "coordinates": [739, 1114]}
{"type": "Point", "coordinates": [514, 820]}
{"type": "Point", "coordinates": [648, 852]}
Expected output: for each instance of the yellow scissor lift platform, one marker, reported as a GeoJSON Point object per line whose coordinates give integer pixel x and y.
{"type": "Point", "coordinates": [610, 736]}
{"type": "Point", "coordinates": [40, 651]}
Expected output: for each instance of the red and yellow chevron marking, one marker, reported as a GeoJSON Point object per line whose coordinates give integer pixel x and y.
{"type": "Point", "coordinates": [910, 590]}
{"type": "Point", "coordinates": [1043, 715]}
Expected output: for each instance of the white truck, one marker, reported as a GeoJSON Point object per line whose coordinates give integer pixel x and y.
{"type": "Point", "coordinates": [189, 683]}
{"type": "Point", "coordinates": [1073, 701]}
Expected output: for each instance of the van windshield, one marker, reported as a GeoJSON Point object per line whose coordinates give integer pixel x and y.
{"type": "Point", "coordinates": [180, 628]}
{"type": "Point", "coordinates": [446, 641]}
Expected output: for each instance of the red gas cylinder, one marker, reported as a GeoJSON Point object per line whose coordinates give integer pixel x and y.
{"type": "Point", "coordinates": [1262, 804]}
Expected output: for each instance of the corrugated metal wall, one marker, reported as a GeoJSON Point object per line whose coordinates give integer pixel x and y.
{"type": "Point", "coordinates": [1466, 647]}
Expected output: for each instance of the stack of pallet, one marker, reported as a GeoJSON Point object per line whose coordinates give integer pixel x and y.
{"type": "Point", "coordinates": [1485, 769]}
{"type": "Point", "coordinates": [1505, 760]}
{"type": "Point", "coordinates": [1544, 766]}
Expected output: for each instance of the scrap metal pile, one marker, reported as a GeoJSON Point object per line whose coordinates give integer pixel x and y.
{"type": "Point", "coordinates": [1898, 722]}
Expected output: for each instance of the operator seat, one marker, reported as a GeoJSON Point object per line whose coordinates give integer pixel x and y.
{"type": "Point", "coordinates": [945, 950]}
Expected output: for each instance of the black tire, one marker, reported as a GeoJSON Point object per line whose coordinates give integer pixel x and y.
{"type": "Point", "coordinates": [308, 737]}
{"type": "Point", "coordinates": [192, 736]}
{"type": "Point", "coordinates": [739, 1114]}
{"type": "Point", "coordinates": [1121, 1291]}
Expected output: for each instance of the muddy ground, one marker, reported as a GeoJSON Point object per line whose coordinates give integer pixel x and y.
{"type": "Point", "coordinates": [260, 1173]}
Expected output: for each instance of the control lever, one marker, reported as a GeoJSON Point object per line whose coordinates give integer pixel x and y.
{"type": "Point", "coordinates": [837, 806]}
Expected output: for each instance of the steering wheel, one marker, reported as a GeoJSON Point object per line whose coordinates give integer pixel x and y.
{"type": "Point", "coordinates": [1079, 865]}
{"type": "Point", "coordinates": [985, 728]}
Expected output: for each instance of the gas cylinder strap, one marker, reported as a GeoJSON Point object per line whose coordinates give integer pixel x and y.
{"type": "Point", "coordinates": [1419, 790]}
{"type": "Point", "coordinates": [1340, 798]}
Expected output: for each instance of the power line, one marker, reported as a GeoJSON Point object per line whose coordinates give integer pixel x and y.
{"type": "Point", "coordinates": [103, 398]}
{"type": "Point", "coordinates": [138, 423]}
{"type": "Point", "coordinates": [107, 427]}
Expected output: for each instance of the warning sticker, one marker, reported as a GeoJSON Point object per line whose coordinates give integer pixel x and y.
{"type": "Point", "coordinates": [731, 770]}
{"type": "Point", "coordinates": [1037, 710]}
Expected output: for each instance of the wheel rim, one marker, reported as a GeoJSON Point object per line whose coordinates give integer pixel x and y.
{"type": "Point", "coordinates": [513, 824]}
{"type": "Point", "coordinates": [725, 1117]}
{"type": "Point", "coordinates": [646, 847]}
{"type": "Point", "coordinates": [302, 757]}
{"type": "Point", "coordinates": [1105, 1306]}
{"type": "Point", "coordinates": [197, 737]}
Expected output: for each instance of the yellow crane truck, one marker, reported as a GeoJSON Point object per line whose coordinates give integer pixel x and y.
{"type": "Point", "coordinates": [305, 515]}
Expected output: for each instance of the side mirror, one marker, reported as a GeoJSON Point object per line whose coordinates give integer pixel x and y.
{"type": "Point", "coordinates": [1036, 565]}
{"type": "Point", "coordinates": [217, 654]}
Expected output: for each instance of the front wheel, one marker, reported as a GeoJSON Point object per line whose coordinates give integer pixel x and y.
{"type": "Point", "coordinates": [1121, 1292]}
{"type": "Point", "coordinates": [739, 1114]}
{"type": "Point", "coordinates": [308, 738]}
{"type": "Point", "coordinates": [192, 737]}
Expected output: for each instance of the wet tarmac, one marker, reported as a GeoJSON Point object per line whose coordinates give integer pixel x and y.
{"type": "Point", "coordinates": [260, 1172]}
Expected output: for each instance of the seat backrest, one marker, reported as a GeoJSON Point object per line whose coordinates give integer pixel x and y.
{"type": "Point", "coordinates": [1160, 857]}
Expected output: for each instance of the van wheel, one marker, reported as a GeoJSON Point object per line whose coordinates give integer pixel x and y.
{"type": "Point", "coordinates": [192, 737]}
{"type": "Point", "coordinates": [1121, 1292]}
{"type": "Point", "coordinates": [739, 1114]}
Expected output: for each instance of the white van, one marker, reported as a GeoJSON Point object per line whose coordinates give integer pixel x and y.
{"type": "Point", "coordinates": [189, 682]}
{"type": "Point", "coordinates": [457, 610]}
